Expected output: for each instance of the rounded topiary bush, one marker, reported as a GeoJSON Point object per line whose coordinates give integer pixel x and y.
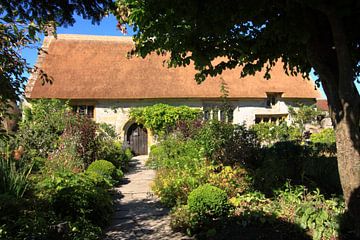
{"type": "Point", "coordinates": [208, 202]}
{"type": "Point", "coordinates": [104, 168]}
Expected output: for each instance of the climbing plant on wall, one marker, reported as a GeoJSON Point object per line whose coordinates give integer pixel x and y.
{"type": "Point", "coordinates": [160, 118]}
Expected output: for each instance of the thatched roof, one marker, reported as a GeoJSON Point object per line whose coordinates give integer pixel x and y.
{"type": "Point", "coordinates": [97, 67]}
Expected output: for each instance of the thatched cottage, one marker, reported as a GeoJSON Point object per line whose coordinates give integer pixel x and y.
{"type": "Point", "coordinates": [97, 76]}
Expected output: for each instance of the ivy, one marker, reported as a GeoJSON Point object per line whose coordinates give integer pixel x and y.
{"type": "Point", "coordinates": [161, 118]}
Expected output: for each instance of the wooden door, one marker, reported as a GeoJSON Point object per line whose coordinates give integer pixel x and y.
{"type": "Point", "coordinates": [137, 139]}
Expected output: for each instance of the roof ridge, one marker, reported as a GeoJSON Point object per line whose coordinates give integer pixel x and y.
{"type": "Point", "coordinates": [94, 37]}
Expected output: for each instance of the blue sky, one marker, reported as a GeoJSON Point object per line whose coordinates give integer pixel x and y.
{"type": "Point", "coordinates": [106, 27]}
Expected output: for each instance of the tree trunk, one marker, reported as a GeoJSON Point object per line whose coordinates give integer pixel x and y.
{"type": "Point", "coordinates": [329, 54]}
{"type": "Point", "coordinates": [347, 122]}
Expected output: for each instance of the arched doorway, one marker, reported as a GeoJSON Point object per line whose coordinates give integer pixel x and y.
{"type": "Point", "coordinates": [137, 139]}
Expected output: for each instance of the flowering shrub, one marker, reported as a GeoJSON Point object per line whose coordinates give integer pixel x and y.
{"type": "Point", "coordinates": [233, 180]}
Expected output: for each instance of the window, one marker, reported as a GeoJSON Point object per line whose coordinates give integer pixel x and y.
{"type": "Point", "coordinates": [207, 114]}
{"type": "Point", "coordinates": [90, 111]}
{"type": "Point", "coordinates": [87, 110]}
{"type": "Point", "coordinates": [277, 118]}
{"type": "Point", "coordinates": [219, 115]}
{"type": "Point", "coordinates": [272, 99]}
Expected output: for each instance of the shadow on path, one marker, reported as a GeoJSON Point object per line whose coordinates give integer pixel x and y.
{"type": "Point", "coordinates": [138, 214]}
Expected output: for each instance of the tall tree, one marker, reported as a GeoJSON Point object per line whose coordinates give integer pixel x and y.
{"type": "Point", "coordinates": [21, 22]}
{"type": "Point", "coordinates": [318, 34]}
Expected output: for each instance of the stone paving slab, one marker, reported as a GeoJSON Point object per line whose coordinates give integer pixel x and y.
{"type": "Point", "coordinates": [138, 214]}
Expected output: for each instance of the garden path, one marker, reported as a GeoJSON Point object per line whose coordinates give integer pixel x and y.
{"type": "Point", "coordinates": [139, 214]}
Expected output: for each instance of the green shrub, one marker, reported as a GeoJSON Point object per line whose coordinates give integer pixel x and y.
{"type": "Point", "coordinates": [66, 158]}
{"type": "Point", "coordinates": [208, 202]}
{"type": "Point", "coordinates": [49, 126]}
{"type": "Point", "coordinates": [107, 130]}
{"type": "Point", "coordinates": [180, 169]}
{"type": "Point", "coordinates": [174, 185]}
{"type": "Point", "coordinates": [80, 203]}
{"type": "Point", "coordinates": [294, 204]}
{"type": "Point", "coordinates": [233, 180]}
{"type": "Point", "coordinates": [106, 169]}
{"type": "Point", "coordinates": [301, 164]}
{"type": "Point", "coordinates": [326, 136]}
{"type": "Point", "coordinates": [42, 126]}
{"type": "Point", "coordinates": [76, 196]}
{"type": "Point", "coordinates": [270, 133]}
{"type": "Point", "coordinates": [176, 153]}
{"type": "Point", "coordinates": [324, 142]}
{"type": "Point", "coordinates": [311, 210]}
{"type": "Point", "coordinates": [112, 151]}
{"type": "Point", "coordinates": [81, 130]}
{"type": "Point", "coordinates": [182, 219]}
{"type": "Point", "coordinates": [128, 154]}
{"type": "Point", "coordinates": [84, 229]}
{"type": "Point", "coordinates": [281, 162]}
{"type": "Point", "coordinates": [119, 174]}
{"type": "Point", "coordinates": [303, 114]}
{"type": "Point", "coordinates": [23, 218]}
{"type": "Point", "coordinates": [228, 144]}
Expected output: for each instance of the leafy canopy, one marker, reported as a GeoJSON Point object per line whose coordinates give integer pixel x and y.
{"type": "Point", "coordinates": [249, 33]}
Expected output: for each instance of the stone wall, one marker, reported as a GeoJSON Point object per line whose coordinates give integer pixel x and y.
{"type": "Point", "coordinates": [116, 112]}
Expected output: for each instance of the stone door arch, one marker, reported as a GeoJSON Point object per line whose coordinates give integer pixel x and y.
{"type": "Point", "coordinates": [137, 139]}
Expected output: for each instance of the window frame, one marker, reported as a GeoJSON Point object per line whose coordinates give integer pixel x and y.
{"type": "Point", "coordinates": [87, 110]}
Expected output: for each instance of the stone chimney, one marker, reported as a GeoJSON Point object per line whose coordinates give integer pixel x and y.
{"type": "Point", "coordinates": [50, 29]}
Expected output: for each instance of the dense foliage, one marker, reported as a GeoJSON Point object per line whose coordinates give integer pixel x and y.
{"type": "Point", "coordinates": [270, 132]}
{"type": "Point", "coordinates": [258, 189]}
{"type": "Point", "coordinates": [42, 125]}
{"type": "Point", "coordinates": [161, 118]}
{"type": "Point", "coordinates": [227, 143]}
{"type": "Point", "coordinates": [45, 192]}
{"type": "Point", "coordinates": [76, 196]}
{"type": "Point", "coordinates": [257, 35]}
{"type": "Point", "coordinates": [112, 151]}
{"type": "Point", "coordinates": [297, 205]}
{"type": "Point", "coordinates": [326, 136]}
{"type": "Point", "coordinates": [180, 169]}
